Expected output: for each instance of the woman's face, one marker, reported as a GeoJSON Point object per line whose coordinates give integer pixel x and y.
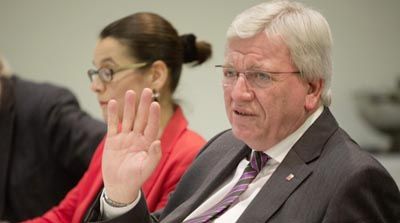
{"type": "Point", "coordinates": [110, 53]}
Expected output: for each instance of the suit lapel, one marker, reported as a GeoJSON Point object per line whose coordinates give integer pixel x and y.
{"type": "Point", "coordinates": [217, 176]}
{"type": "Point", "coordinates": [277, 189]}
{"type": "Point", "coordinates": [7, 116]}
{"type": "Point", "coordinates": [293, 170]}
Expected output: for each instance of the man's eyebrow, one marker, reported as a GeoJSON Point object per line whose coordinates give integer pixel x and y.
{"type": "Point", "coordinates": [255, 66]}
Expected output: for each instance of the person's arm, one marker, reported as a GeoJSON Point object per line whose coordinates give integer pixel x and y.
{"type": "Point", "coordinates": [64, 212]}
{"type": "Point", "coordinates": [73, 134]}
{"type": "Point", "coordinates": [131, 154]}
{"type": "Point", "coordinates": [139, 213]}
{"type": "Point", "coordinates": [369, 195]}
{"type": "Point", "coordinates": [109, 210]}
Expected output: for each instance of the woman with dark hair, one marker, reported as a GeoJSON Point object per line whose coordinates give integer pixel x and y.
{"type": "Point", "coordinates": [139, 51]}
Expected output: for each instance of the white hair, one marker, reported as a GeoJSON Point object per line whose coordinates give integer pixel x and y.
{"type": "Point", "coordinates": [305, 32]}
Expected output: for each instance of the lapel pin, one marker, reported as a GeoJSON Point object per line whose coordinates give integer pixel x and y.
{"type": "Point", "coordinates": [289, 177]}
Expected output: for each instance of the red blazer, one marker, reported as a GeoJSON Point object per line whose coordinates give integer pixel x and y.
{"type": "Point", "coordinates": [179, 147]}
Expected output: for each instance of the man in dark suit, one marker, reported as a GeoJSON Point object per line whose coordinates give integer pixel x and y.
{"type": "Point", "coordinates": [46, 143]}
{"type": "Point", "coordinates": [285, 158]}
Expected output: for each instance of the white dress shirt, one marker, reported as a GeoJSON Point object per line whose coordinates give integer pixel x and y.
{"type": "Point", "coordinates": [277, 154]}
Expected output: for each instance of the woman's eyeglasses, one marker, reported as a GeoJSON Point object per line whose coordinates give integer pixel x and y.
{"type": "Point", "coordinates": [106, 74]}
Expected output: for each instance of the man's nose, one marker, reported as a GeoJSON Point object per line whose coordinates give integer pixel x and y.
{"type": "Point", "coordinates": [241, 89]}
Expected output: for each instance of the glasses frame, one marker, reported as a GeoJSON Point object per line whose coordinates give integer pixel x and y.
{"type": "Point", "coordinates": [106, 74]}
{"type": "Point", "coordinates": [251, 80]}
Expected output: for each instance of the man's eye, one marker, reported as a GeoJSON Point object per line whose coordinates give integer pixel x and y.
{"type": "Point", "coordinates": [229, 73]}
{"type": "Point", "coordinates": [262, 76]}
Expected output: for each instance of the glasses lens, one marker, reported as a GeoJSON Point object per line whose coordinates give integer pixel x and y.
{"type": "Point", "coordinates": [105, 74]}
{"type": "Point", "coordinates": [229, 76]}
{"type": "Point", "coordinates": [258, 78]}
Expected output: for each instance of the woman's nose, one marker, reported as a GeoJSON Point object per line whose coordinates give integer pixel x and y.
{"type": "Point", "coordinates": [97, 85]}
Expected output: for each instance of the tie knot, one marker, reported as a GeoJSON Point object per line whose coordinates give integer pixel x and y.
{"type": "Point", "coordinates": [259, 160]}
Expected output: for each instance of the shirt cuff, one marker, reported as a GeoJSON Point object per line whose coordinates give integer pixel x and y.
{"type": "Point", "coordinates": [108, 212]}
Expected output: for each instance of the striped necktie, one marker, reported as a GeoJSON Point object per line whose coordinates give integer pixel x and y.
{"type": "Point", "coordinates": [255, 165]}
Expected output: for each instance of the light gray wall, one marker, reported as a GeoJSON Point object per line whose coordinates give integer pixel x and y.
{"type": "Point", "coordinates": [53, 40]}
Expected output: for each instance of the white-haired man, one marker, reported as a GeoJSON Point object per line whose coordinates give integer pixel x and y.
{"type": "Point", "coordinates": [285, 158]}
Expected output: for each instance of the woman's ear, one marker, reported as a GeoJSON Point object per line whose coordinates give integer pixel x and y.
{"type": "Point", "coordinates": [313, 96]}
{"type": "Point", "coordinates": [159, 75]}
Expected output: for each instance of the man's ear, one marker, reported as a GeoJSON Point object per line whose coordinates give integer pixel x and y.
{"type": "Point", "coordinates": [159, 75]}
{"type": "Point", "coordinates": [313, 96]}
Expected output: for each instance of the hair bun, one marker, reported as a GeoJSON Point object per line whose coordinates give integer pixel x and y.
{"type": "Point", "coordinates": [189, 47]}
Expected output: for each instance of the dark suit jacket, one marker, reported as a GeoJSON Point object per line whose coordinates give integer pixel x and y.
{"type": "Point", "coordinates": [46, 144]}
{"type": "Point", "coordinates": [334, 181]}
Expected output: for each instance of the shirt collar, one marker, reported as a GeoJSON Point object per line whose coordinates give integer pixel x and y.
{"type": "Point", "coordinates": [279, 151]}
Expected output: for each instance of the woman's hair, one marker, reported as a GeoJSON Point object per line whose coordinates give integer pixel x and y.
{"type": "Point", "coordinates": [149, 37]}
{"type": "Point", "coordinates": [305, 32]}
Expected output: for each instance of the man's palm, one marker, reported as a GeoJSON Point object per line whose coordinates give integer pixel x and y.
{"type": "Point", "coordinates": [131, 154]}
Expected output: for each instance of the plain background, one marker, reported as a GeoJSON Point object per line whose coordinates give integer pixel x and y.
{"type": "Point", "coordinates": [53, 40]}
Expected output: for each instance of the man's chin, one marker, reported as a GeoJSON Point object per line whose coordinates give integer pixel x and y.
{"type": "Point", "coordinates": [243, 134]}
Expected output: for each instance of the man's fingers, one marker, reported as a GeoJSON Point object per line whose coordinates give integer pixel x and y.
{"type": "Point", "coordinates": [143, 111]}
{"type": "Point", "coordinates": [112, 117]}
{"type": "Point", "coordinates": [154, 154]}
{"type": "Point", "coordinates": [129, 111]}
{"type": "Point", "coordinates": [153, 123]}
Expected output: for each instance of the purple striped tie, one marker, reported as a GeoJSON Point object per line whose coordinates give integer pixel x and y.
{"type": "Point", "coordinates": [257, 162]}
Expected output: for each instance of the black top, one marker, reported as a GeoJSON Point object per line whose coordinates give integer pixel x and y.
{"type": "Point", "coordinates": [46, 145]}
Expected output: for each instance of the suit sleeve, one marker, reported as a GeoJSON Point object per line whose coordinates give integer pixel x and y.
{"type": "Point", "coordinates": [73, 134]}
{"type": "Point", "coordinates": [368, 196]}
{"type": "Point", "coordinates": [67, 208]}
{"type": "Point", "coordinates": [64, 212]}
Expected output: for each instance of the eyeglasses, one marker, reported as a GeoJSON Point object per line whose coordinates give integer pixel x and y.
{"type": "Point", "coordinates": [106, 74]}
{"type": "Point", "coordinates": [256, 78]}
